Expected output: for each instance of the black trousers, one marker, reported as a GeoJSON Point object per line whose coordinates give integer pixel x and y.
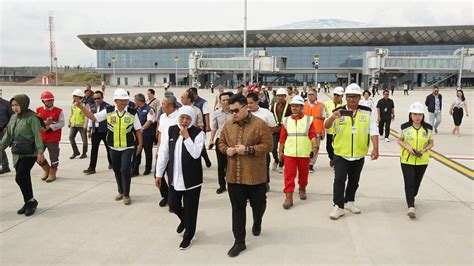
{"type": "Point", "coordinates": [384, 123]}
{"type": "Point", "coordinates": [221, 165]}
{"type": "Point", "coordinates": [96, 138]}
{"type": "Point", "coordinates": [276, 140]}
{"type": "Point", "coordinates": [239, 194]}
{"type": "Point", "coordinates": [122, 165]}
{"type": "Point", "coordinates": [23, 176]}
{"type": "Point", "coordinates": [268, 167]}
{"type": "Point", "coordinates": [412, 175]}
{"type": "Point", "coordinates": [185, 205]}
{"type": "Point", "coordinates": [148, 148]}
{"type": "Point", "coordinates": [346, 170]}
{"type": "Point", "coordinates": [329, 148]}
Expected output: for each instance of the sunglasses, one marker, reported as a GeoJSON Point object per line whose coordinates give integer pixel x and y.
{"type": "Point", "coordinates": [97, 98]}
{"type": "Point", "coordinates": [235, 111]}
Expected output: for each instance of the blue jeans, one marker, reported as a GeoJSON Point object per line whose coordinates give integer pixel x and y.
{"type": "Point", "coordinates": [122, 165]}
{"type": "Point", "coordinates": [435, 119]}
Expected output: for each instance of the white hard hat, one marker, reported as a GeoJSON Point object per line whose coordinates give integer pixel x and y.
{"type": "Point", "coordinates": [121, 94]}
{"type": "Point", "coordinates": [417, 108]}
{"type": "Point", "coordinates": [78, 92]}
{"type": "Point", "coordinates": [339, 90]}
{"type": "Point", "coordinates": [297, 100]}
{"type": "Point", "coordinates": [263, 87]}
{"type": "Point", "coordinates": [353, 89]}
{"type": "Point", "coordinates": [281, 91]}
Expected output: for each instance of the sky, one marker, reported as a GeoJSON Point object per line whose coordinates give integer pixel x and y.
{"type": "Point", "coordinates": [24, 37]}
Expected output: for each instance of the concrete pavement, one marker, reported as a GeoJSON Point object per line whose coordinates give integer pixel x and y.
{"type": "Point", "coordinates": [78, 221]}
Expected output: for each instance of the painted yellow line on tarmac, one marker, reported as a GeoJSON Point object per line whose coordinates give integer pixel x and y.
{"type": "Point", "coordinates": [460, 168]}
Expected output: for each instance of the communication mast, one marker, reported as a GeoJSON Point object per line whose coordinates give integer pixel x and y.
{"type": "Point", "coordinates": [52, 43]}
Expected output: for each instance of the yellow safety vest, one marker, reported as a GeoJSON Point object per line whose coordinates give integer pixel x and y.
{"type": "Point", "coordinates": [77, 117]}
{"type": "Point", "coordinates": [352, 134]}
{"type": "Point", "coordinates": [297, 143]}
{"type": "Point", "coordinates": [329, 107]}
{"type": "Point", "coordinates": [418, 139]}
{"type": "Point", "coordinates": [120, 131]}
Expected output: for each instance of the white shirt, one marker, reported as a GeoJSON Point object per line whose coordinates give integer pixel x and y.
{"type": "Point", "coordinates": [368, 103]}
{"type": "Point", "coordinates": [266, 116]}
{"type": "Point", "coordinates": [102, 115]}
{"type": "Point", "coordinates": [205, 108]}
{"type": "Point", "coordinates": [194, 148]}
{"type": "Point", "coordinates": [165, 122]}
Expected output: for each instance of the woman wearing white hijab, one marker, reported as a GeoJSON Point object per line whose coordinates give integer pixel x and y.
{"type": "Point", "coordinates": [181, 157]}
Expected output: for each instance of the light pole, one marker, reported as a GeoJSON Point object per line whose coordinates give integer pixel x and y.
{"type": "Point", "coordinates": [176, 60]}
{"type": "Point", "coordinates": [316, 66]}
{"type": "Point", "coordinates": [56, 71]}
{"type": "Point", "coordinates": [114, 58]}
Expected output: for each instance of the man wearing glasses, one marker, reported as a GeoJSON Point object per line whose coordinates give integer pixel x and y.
{"type": "Point", "coordinates": [245, 140]}
{"type": "Point", "coordinates": [329, 107]}
{"type": "Point", "coordinates": [97, 132]}
{"type": "Point", "coordinates": [280, 110]}
{"type": "Point", "coordinates": [354, 126]}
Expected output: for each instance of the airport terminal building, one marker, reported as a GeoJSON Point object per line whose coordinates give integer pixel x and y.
{"type": "Point", "coordinates": [152, 59]}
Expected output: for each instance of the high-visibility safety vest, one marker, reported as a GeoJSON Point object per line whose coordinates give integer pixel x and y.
{"type": "Point", "coordinates": [77, 117]}
{"type": "Point", "coordinates": [352, 134]}
{"type": "Point", "coordinates": [297, 142]}
{"type": "Point", "coordinates": [418, 139]}
{"type": "Point", "coordinates": [120, 130]}
{"type": "Point", "coordinates": [329, 107]}
{"type": "Point", "coordinates": [317, 113]}
{"type": "Point", "coordinates": [277, 119]}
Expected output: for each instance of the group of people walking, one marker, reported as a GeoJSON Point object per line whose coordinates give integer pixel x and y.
{"type": "Point", "coordinates": [245, 134]}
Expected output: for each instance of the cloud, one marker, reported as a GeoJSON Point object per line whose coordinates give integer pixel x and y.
{"type": "Point", "coordinates": [24, 36]}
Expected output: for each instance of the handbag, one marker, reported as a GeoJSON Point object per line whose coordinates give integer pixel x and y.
{"type": "Point", "coordinates": [21, 146]}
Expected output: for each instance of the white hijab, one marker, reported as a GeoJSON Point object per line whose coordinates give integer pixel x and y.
{"type": "Point", "coordinates": [189, 111]}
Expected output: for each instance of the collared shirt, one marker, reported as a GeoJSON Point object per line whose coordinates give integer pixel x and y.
{"type": "Point", "coordinates": [219, 119]}
{"type": "Point", "coordinates": [199, 118]}
{"type": "Point", "coordinates": [155, 104]}
{"type": "Point", "coordinates": [266, 116]}
{"type": "Point", "coordinates": [194, 149]}
{"type": "Point", "coordinates": [251, 132]}
{"type": "Point", "coordinates": [165, 122]}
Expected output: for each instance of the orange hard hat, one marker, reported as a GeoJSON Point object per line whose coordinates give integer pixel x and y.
{"type": "Point", "coordinates": [47, 95]}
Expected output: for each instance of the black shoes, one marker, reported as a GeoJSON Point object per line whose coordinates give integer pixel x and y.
{"type": "Point", "coordinates": [185, 244]}
{"type": "Point", "coordinates": [89, 171]}
{"type": "Point", "coordinates": [220, 190]}
{"type": "Point", "coordinates": [236, 249]}
{"type": "Point", "coordinates": [256, 229]}
{"type": "Point", "coordinates": [74, 156]}
{"type": "Point", "coordinates": [31, 207]}
{"type": "Point", "coordinates": [135, 174]}
{"type": "Point", "coordinates": [84, 155]}
{"type": "Point", "coordinates": [5, 170]}
{"type": "Point", "coordinates": [111, 167]}
{"type": "Point", "coordinates": [180, 228]}
{"type": "Point", "coordinates": [147, 172]}
{"type": "Point", "coordinates": [22, 210]}
{"type": "Point", "coordinates": [163, 202]}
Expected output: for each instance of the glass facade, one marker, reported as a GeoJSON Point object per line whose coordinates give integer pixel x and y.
{"type": "Point", "coordinates": [298, 57]}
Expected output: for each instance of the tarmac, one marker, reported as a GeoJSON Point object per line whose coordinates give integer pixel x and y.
{"type": "Point", "coordinates": [78, 221]}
